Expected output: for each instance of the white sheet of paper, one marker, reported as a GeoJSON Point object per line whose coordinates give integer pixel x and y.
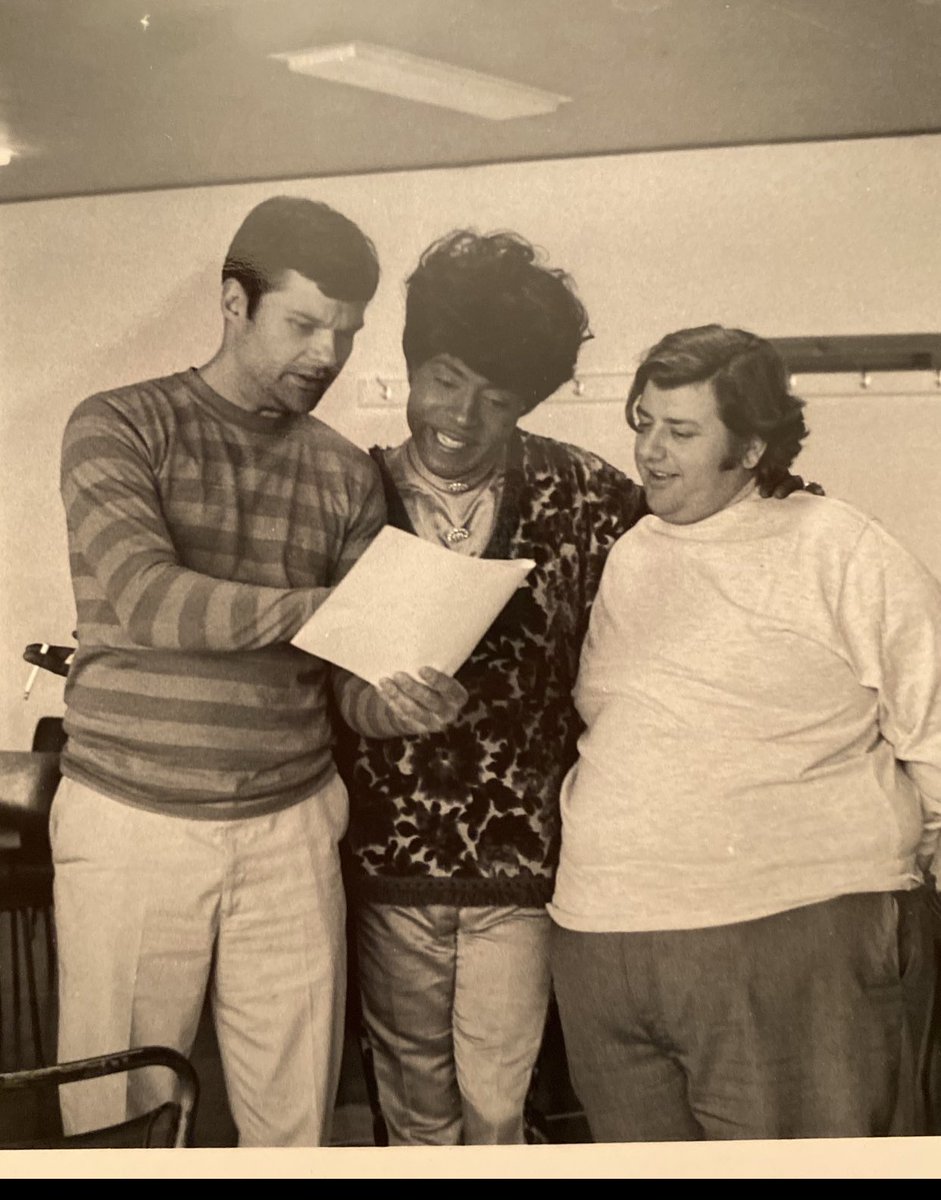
{"type": "Point", "coordinates": [406, 604]}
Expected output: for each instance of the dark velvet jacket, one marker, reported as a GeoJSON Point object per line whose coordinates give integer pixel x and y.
{"type": "Point", "coordinates": [470, 816]}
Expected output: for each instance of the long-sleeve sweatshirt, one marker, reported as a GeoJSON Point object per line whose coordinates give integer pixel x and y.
{"type": "Point", "coordinates": [201, 537]}
{"type": "Point", "coordinates": [762, 695]}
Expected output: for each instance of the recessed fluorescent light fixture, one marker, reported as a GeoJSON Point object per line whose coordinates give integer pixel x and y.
{"type": "Point", "coordinates": [426, 80]}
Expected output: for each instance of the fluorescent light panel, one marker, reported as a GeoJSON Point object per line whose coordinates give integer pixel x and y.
{"type": "Point", "coordinates": [397, 73]}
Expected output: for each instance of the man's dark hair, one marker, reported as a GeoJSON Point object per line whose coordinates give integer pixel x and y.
{"type": "Point", "coordinates": [750, 383]}
{"type": "Point", "coordinates": [287, 233]}
{"type": "Point", "coordinates": [486, 300]}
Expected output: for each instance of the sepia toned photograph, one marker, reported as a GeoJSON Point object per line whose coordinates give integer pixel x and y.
{"type": "Point", "coordinates": [471, 588]}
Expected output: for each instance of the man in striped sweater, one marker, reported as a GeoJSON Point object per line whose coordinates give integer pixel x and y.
{"type": "Point", "coordinates": [195, 830]}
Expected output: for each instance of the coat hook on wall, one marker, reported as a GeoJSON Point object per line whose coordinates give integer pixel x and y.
{"type": "Point", "coordinates": [937, 378]}
{"type": "Point", "coordinates": [578, 386]}
{"type": "Point", "coordinates": [865, 379]}
{"type": "Point", "coordinates": [385, 388]}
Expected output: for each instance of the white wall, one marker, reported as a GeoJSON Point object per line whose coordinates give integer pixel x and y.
{"type": "Point", "coordinates": [837, 238]}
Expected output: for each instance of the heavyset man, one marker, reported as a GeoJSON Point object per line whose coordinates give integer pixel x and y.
{"type": "Point", "coordinates": [736, 950]}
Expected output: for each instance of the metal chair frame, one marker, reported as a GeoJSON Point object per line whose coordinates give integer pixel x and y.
{"type": "Point", "coordinates": [176, 1118]}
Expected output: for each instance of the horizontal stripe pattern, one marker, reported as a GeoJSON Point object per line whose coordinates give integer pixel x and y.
{"type": "Point", "coordinates": [362, 708]}
{"type": "Point", "coordinates": [201, 537]}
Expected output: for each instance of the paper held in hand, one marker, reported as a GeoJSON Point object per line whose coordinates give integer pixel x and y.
{"type": "Point", "coordinates": [406, 604]}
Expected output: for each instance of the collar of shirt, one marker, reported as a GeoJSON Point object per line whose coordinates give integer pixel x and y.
{"type": "Point", "coordinates": [461, 521]}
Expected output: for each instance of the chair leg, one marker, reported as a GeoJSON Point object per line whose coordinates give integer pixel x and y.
{"type": "Point", "coordinates": [32, 989]}
{"type": "Point", "coordinates": [50, 946]}
{"type": "Point", "coordinates": [15, 959]}
{"type": "Point", "coordinates": [2, 971]}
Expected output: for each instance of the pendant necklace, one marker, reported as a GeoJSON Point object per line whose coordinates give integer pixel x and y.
{"type": "Point", "coordinates": [459, 517]}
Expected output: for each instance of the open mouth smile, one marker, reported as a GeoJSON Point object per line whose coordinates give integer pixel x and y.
{"type": "Point", "coordinates": [448, 442]}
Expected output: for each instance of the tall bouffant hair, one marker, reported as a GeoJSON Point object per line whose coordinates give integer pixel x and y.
{"type": "Point", "coordinates": [750, 382]}
{"type": "Point", "coordinates": [287, 233]}
{"type": "Point", "coordinates": [486, 300]}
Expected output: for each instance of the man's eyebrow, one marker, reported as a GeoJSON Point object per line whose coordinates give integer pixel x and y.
{"type": "Point", "coordinates": [312, 320]}
{"type": "Point", "coordinates": [642, 412]}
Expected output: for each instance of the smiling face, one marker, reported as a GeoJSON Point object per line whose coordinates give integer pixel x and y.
{"type": "Point", "coordinates": [460, 421]}
{"type": "Point", "coordinates": [689, 462]}
{"type": "Point", "coordinates": [286, 355]}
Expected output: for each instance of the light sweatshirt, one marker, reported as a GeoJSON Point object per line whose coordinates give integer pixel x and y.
{"type": "Point", "coordinates": [762, 695]}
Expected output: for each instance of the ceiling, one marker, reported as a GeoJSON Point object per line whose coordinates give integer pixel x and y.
{"type": "Point", "coordinates": [121, 95]}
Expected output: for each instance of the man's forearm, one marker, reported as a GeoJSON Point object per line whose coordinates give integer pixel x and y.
{"type": "Point", "coordinates": [173, 608]}
{"type": "Point", "coordinates": [123, 551]}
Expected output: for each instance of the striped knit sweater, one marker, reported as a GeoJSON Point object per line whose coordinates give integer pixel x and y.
{"type": "Point", "coordinates": [201, 537]}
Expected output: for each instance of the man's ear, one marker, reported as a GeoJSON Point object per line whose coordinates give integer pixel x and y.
{"type": "Point", "coordinates": [753, 452]}
{"type": "Point", "coordinates": [234, 302]}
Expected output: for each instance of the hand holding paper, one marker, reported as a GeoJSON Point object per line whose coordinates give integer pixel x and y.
{"type": "Point", "coordinates": [423, 705]}
{"type": "Point", "coordinates": [408, 604]}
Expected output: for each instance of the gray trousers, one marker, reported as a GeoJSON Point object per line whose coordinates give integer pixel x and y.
{"type": "Point", "coordinates": [793, 1025]}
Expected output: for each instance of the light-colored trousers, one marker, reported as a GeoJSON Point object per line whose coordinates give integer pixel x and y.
{"type": "Point", "coordinates": [152, 909]}
{"type": "Point", "coordinates": [454, 1004]}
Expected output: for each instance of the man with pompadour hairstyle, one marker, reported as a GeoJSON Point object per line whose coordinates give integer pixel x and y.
{"type": "Point", "coordinates": [195, 830]}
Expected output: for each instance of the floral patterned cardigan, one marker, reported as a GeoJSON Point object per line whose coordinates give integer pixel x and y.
{"type": "Point", "coordinates": [470, 815]}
